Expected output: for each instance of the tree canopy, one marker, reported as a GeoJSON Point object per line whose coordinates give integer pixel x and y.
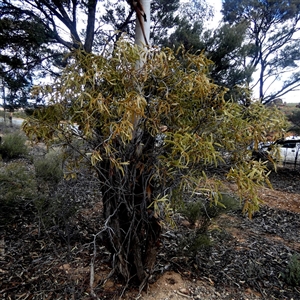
{"type": "Point", "coordinates": [273, 43]}
{"type": "Point", "coordinates": [35, 36]}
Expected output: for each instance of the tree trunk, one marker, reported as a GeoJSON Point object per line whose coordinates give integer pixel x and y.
{"type": "Point", "coordinates": [133, 231]}
{"type": "Point", "coordinates": [142, 27]}
{"type": "Point", "coordinates": [90, 28]}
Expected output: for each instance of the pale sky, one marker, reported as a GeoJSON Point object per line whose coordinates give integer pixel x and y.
{"type": "Point", "coordinates": [217, 4]}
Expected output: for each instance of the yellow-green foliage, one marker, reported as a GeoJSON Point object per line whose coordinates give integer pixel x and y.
{"type": "Point", "coordinates": [110, 100]}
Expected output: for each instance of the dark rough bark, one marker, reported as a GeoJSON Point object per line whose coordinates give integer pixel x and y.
{"type": "Point", "coordinates": [132, 230]}
{"type": "Point", "coordinates": [90, 29]}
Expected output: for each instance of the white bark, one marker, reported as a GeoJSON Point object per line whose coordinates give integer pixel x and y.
{"type": "Point", "coordinates": [142, 35]}
{"type": "Point", "coordinates": [139, 36]}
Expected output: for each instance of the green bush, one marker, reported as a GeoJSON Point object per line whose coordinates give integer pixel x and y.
{"type": "Point", "coordinates": [49, 168]}
{"type": "Point", "coordinates": [13, 145]}
{"type": "Point", "coordinates": [227, 203]}
{"type": "Point", "coordinates": [199, 242]}
{"type": "Point", "coordinates": [199, 213]}
{"type": "Point", "coordinates": [53, 208]}
{"type": "Point", "coordinates": [192, 211]}
{"type": "Point", "coordinates": [193, 242]}
{"type": "Point", "coordinates": [18, 187]}
{"type": "Point", "coordinates": [202, 209]}
{"type": "Point", "coordinates": [292, 274]}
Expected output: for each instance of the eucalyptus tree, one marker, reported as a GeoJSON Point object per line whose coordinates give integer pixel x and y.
{"type": "Point", "coordinates": [227, 49]}
{"type": "Point", "coordinates": [42, 25]}
{"type": "Point", "coordinates": [21, 52]}
{"type": "Point", "coordinates": [273, 41]}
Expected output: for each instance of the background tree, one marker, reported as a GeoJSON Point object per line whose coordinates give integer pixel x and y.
{"type": "Point", "coordinates": [64, 26]}
{"type": "Point", "coordinates": [272, 28]}
{"type": "Point", "coordinates": [33, 39]}
{"type": "Point", "coordinates": [164, 17]}
{"type": "Point", "coordinates": [225, 47]}
{"type": "Point", "coordinates": [187, 26]}
{"type": "Point", "coordinates": [22, 52]}
{"type": "Point", "coordinates": [46, 51]}
{"type": "Point", "coordinates": [36, 36]}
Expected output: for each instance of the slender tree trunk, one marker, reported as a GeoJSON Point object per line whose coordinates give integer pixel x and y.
{"type": "Point", "coordinates": [4, 101]}
{"type": "Point", "coordinates": [261, 82]}
{"type": "Point", "coordinates": [142, 29]}
{"type": "Point", "coordinates": [90, 28]}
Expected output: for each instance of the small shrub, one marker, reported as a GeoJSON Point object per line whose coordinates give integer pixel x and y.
{"type": "Point", "coordinates": [230, 202]}
{"type": "Point", "coordinates": [227, 203]}
{"type": "Point", "coordinates": [194, 242]}
{"type": "Point", "coordinates": [13, 146]}
{"type": "Point", "coordinates": [18, 187]}
{"type": "Point", "coordinates": [55, 211]}
{"type": "Point", "coordinates": [199, 242]}
{"type": "Point", "coordinates": [49, 168]}
{"type": "Point", "coordinates": [192, 211]}
{"type": "Point", "coordinates": [292, 274]}
{"type": "Point", "coordinates": [199, 213]}
{"type": "Point", "coordinates": [201, 209]}
{"type": "Point", "coordinates": [17, 181]}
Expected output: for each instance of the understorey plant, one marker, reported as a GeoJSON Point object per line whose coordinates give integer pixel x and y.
{"type": "Point", "coordinates": [149, 133]}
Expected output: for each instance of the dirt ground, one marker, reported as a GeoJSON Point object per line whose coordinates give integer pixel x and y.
{"type": "Point", "coordinates": [283, 199]}
{"type": "Point", "coordinates": [246, 259]}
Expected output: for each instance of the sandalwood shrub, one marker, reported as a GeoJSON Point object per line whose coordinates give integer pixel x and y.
{"type": "Point", "coordinates": [149, 134]}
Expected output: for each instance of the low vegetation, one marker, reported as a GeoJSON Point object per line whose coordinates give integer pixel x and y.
{"type": "Point", "coordinates": [13, 145]}
{"type": "Point", "coordinates": [18, 188]}
{"type": "Point", "coordinates": [29, 180]}
{"type": "Point", "coordinates": [292, 274]}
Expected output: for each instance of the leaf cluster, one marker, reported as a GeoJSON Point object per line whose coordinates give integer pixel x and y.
{"type": "Point", "coordinates": [119, 111]}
